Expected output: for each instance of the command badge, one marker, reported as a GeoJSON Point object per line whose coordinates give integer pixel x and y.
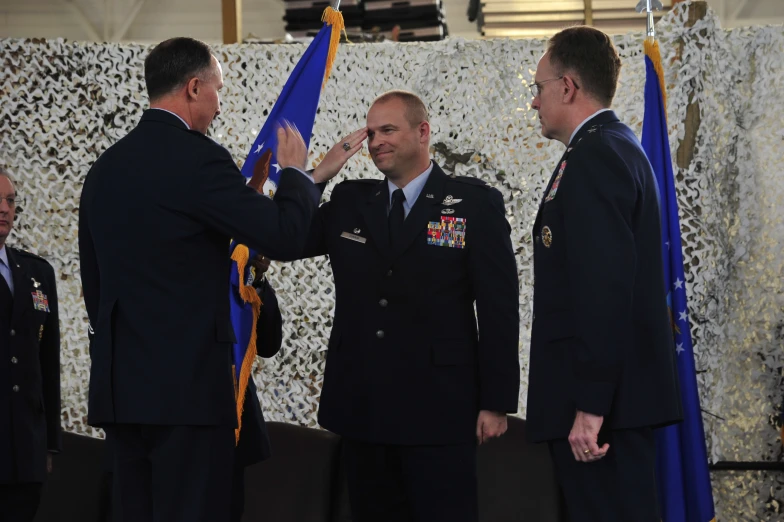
{"type": "Point", "coordinates": [547, 236]}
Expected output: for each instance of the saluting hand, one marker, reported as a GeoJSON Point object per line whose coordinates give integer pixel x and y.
{"type": "Point", "coordinates": [292, 151]}
{"type": "Point", "coordinates": [338, 155]}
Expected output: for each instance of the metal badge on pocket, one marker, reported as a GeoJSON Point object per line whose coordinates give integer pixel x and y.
{"type": "Point", "coordinates": [353, 237]}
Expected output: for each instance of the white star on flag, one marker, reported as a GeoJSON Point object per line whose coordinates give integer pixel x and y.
{"type": "Point", "coordinates": [679, 348]}
{"type": "Point", "coordinates": [682, 316]}
{"type": "Point", "coordinates": [277, 167]}
{"type": "Point", "coordinates": [678, 283]}
{"type": "Point", "coordinates": [258, 149]}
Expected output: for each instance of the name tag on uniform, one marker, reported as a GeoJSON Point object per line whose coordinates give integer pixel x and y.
{"type": "Point", "coordinates": [353, 237]}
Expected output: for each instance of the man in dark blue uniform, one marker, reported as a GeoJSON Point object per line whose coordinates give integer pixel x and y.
{"type": "Point", "coordinates": [29, 370]}
{"type": "Point", "coordinates": [602, 371]}
{"type": "Point", "coordinates": [414, 378]}
{"type": "Point", "coordinates": [156, 215]}
{"type": "Point", "coordinates": [254, 445]}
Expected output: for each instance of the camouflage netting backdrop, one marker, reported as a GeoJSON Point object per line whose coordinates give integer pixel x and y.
{"type": "Point", "coordinates": [63, 103]}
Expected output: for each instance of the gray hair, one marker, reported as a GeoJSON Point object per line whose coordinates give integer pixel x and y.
{"type": "Point", "coordinates": [4, 172]}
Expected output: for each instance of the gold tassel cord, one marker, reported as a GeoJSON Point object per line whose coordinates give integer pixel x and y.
{"type": "Point", "coordinates": [651, 47]}
{"type": "Point", "coordinates": [241, 256]}
{"type": "Point", "coordinates": [335, 19]}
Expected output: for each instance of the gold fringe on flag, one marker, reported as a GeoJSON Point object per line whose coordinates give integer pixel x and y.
{"type": "Point", "coordinates": [241, 256]}
{"type": "Point", "coordinates": [652, 51]}
{"type": "Point", "coordinates": [335, 19]}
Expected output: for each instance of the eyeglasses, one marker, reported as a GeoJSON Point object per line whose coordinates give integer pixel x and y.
{"type": "Point", "coordinates": [11, 200]}
{"type": "Point", "coordinates": [536, 87]}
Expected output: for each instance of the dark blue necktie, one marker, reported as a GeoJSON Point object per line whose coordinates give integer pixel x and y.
{"type": "Point", "coordinates": [396, 217]}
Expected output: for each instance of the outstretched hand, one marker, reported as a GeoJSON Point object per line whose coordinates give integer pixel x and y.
{"type": "Point", "coordinates": [292, 151]}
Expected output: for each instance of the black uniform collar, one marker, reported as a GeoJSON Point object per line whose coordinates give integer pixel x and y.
{"type": "Point", "coordinates": [161, 116]}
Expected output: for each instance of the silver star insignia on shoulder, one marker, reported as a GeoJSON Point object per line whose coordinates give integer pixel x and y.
{"type": "Point", "coordinates": [592, 129]}
{"type": "Point", "coordinates": [449, 200]}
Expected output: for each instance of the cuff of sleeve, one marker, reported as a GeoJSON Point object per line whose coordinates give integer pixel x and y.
{"type": "Point", "coordinates": [500, 398]}
{"type": "Point", "coordinates": [594, 397]}
{"type": "Point", "coordinates": [306, 174]}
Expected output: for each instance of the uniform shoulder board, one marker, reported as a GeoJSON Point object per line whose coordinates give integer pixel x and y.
{"type": "Point", "coordinates": [26, 253]}
{"type": "Point", "coordinates": [469, 180]}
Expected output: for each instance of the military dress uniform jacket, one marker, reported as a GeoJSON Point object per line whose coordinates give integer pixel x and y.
{"type": "Point", "coordinates": [408, 362]}
{"type": "Point", "coordinates": [254, 444]}
{"type": "Point", "coordinates": [601, 340]}
{"type": "Point", "coordinates": [157, 212]}
{"type": "Point", "coordinates": [29, 369]}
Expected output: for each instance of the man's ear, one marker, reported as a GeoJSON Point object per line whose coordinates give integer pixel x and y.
{"type": "Point", "coordinates": [569, 89]}
{"type": "Point", "coordinates": [424, 131]}
{"type": "Point", "coordinates": [192, 88]}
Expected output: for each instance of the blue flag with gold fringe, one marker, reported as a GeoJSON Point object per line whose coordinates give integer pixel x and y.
{"type": "Point", "coordinates": [297, 104]}
{"type": "Point", "coordinates": [682, 473]}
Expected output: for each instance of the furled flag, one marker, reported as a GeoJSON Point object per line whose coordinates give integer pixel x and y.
{"type": "Point", "coordinates": [297, 105]}
{"type": "Point", "coordinates": [682, 475]}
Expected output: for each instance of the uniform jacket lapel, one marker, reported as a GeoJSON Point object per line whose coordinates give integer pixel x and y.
{"type": "Point", "coordinates": [374, 212]}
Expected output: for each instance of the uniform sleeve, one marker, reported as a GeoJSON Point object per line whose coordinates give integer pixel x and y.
{"type": "Point", "coordinates": [49, 350]}
{"type": "Point", "coordinates": [88, 262]}
{"type": "Point", "coordinates": [269, 327]}
{"type": "Point", "coordinates": [278, 227]}
{"type": "Point", "coordinates": [598, 201]}
{"type": "Point", "coordinates": [494, 278]}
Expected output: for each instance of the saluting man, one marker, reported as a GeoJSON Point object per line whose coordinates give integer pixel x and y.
{"type": "Point", "coordinates": [29, 370]}
{"type": "Point", "coordinates": [414, 378]}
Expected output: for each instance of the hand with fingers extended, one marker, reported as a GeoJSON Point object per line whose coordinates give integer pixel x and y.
{"type": "Point", "coordinates": [292, 151]}
{"type": "Point", "coordinates": [584, 437]}
{"type": "Point", "coordinates": [338, 155]}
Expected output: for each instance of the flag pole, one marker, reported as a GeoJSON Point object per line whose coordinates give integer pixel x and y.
{"type": "Point", "coordinates": [649, 6]}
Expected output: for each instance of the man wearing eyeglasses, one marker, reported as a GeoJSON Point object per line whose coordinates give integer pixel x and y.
{"type": "Point", "coordinates": [602, 370]}
{"type": "Point", "coordinates": [29, 369]}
